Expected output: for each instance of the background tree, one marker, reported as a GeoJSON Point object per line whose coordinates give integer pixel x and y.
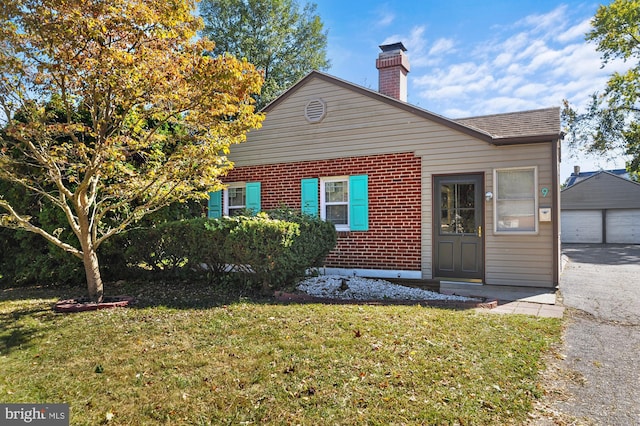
{"type": "Point", "coordinates": [114, 111]}
{"type": "Point", "coordinates": [612, 119]}
{"type": "Point", "coordinates": [277, 36]}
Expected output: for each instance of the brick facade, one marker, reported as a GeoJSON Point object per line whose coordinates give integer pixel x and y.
{"type": "Point", "coordinates": [393, 240]}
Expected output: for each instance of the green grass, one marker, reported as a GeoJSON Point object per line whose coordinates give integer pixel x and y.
{"type": "Point", "coordinates": [166, 362]}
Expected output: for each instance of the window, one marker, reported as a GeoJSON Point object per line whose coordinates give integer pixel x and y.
{"type": "Point", "coordinates": [238, 198]}
{"type": "Point", "coordinates": [343, 201]}
{"type": "Point", "coordinates": [458, 208]}
{"type": "Point", "coordinates": [334, 199]}
{"type": "Point", "coordinates": [515, 207]}
{"type": "Point", "coordinates": [235, 200]}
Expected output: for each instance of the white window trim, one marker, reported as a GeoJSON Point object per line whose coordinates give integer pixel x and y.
{"type": "Point", "coordinates": [535, 202]}
{"type": "Point", "coordinates": [225, 196]}
{"type": "Point", "coordinates": [323, 204]}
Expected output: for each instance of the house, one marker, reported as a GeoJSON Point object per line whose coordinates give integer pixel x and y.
{"type": "Point", "coordinates": [578, 176]}
{"type": "Point", "coordinates": [413, 195]}
{"type": "Point", "coordinates": [601, 207]}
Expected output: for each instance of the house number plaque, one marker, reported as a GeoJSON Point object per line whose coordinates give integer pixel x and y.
{"type": "Point", "coordinates": [545, 192]}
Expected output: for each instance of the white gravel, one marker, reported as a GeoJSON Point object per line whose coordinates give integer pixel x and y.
{"type": "Point", "coordinates": [358, 288]}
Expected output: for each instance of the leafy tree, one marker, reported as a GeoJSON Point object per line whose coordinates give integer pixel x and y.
{"type": "Point", "coordinates": [282, 40]}
{"type": "Point", "coordinates": [612, 119]}
{"type": "Point", "coordinates": [114, 110]}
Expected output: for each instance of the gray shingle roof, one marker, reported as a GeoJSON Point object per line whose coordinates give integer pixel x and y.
{"type": "Point", "coordinates": [516, 125]}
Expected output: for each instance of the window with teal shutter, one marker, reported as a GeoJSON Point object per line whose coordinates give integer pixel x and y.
{"type": "Point", "coordinates": [310, 196]}
{"type": "Point", "coordinates": [253, 196]}
{"type": "Point", "coordinates": [359, 203]}
{"type": "Point", "coordinates": [215, 205]}
{"type": "Point", "coordinates": [334, 201]}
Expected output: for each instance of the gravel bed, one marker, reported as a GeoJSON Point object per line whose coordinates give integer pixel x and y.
{"type": "Point", "coordinates": [358, 288]}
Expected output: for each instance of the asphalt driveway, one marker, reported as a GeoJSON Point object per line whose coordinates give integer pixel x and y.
{"type": "Point", "coordinates": [599, 365]}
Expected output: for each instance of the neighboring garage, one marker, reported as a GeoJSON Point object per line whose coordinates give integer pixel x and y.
{"type": "Point", "coordinates": [602, 208]}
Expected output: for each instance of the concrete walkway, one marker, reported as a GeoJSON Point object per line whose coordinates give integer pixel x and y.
{"type": "Point", "coordinates": [529, 308]}
{"type": "Point", "coordinates": [511, 300]}
{"type": "Point", "coordinates": [541, 304]}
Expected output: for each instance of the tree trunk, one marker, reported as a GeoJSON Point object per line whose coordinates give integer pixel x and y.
{"type": "Point", "coordinates": [92, 270]}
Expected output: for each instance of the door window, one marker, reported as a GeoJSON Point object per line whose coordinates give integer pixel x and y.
{"type": "Point", "coordinates": [458, 208]}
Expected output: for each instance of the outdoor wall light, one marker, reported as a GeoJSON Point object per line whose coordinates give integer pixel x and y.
{"type": "Point", "coordinates": [488, 196]}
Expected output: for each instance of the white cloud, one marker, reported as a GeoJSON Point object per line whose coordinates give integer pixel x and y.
{"type": "Point", "coordinates": [576, 32]}
{"type": "Point", "coordinates": [545, 22]}
{"type": "Point", "coordinates": [543, 60]}
{"type": "Point", "coordinates": [416, 45]}
{"type": "Point", "coordinates": [505, 103]}
{"type": "Point", "coordinates": [444, 92]}
{"type": "Point", "coordinates": [503, 59]}
{"type": "Point", "coordinates": [384, 16]}
{"type": "Point", "coordinates": [490, 106]}
{"type": "Point", "coordinates": [442, 45]}
{"type": "Point", "coordinates": [534, 62]}
{"type": "Point", "coordinates": [386, 20]}
{"type": "Point", "coordinates": [507, 83]}
{"type": "Point", "coordinates": [457, 113]}
{"type": "Point", "coordinates": [530, 90]}
{"type": "Point", "coordinates": [533, 49]}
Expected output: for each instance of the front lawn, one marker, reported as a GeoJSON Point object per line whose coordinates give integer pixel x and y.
{"type": "Point", "coordinates": [254, 362]}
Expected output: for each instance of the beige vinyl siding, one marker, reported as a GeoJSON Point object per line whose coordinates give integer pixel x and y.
{"type": "Point", "coordinates": [354, 125]}
{"type": "Point", "coordinates": [522, 260]}
{"type": "Point", "coordinates": [357, 125]}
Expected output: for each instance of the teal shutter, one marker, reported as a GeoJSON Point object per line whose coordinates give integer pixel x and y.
{"type": "Point", "coordinates": [253, 196]}
{"type": "Point", "coordinates": [310, 196]}
{"type": "Point", "coordinates": [215, 205]}
{"type": "Point", "coordinates": [359, 203]}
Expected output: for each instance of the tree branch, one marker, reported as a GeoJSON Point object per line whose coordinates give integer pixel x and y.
{"type": "Point", "coordinates": [22, 222]}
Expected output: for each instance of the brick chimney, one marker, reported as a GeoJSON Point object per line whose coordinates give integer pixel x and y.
{"type": "Point", "coordinates": [393, 67]}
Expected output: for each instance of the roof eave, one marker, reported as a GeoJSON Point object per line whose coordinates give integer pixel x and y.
{"type": "Point", "coordinates": [520, 140]}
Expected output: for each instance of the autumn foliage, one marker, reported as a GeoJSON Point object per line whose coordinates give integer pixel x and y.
{"type": "Point", "coordinates": [113, 110]}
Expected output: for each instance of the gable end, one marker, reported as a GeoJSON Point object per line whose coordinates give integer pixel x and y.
{"type": "Point", "coordinates": [498, 129]}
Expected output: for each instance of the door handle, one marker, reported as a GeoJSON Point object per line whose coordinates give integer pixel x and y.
{"type": "Point", "coordinates": [479, 231]}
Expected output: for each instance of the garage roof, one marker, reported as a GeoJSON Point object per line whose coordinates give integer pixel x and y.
{"type": "Point", "coordinates": [603, 190]}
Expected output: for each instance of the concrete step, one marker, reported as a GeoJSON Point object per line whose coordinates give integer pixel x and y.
{"type": "Point", "coordinates": [502, 293]}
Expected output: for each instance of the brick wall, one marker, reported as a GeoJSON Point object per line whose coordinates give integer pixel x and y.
{"type": "Point", "coordinates": [393, 239]}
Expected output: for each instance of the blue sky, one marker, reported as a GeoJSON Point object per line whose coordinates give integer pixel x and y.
{"type": "Point", "coordinates": [472, 58]}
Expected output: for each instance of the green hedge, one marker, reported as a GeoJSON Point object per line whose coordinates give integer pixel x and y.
{"type": "Point", "coordinates": [27, 258]}
{"type": "Point", "coordinates": [269, 250]}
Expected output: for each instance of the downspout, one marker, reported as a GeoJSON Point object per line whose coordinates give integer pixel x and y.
{"type": "Point", "coordinates": [555, 208]}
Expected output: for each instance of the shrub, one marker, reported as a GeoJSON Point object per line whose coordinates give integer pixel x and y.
{"type": "Point", "coordinates": [278, 246]}
{"type": "Point", "coordinates": [269, 250]}
{"type": "Point", "coordinates": [317, 237]}
{"type": "Point", "coordinates": [26, 258]}
{"type": "Point", "coordinates": [156, 243]}
{"type": "Point", "coordinates": [263, 247]}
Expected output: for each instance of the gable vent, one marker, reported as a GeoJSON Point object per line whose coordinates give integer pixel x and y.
{"type": "Point", "coordinates": [315, 110]}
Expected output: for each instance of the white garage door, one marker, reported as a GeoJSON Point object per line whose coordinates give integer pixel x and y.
{"type": "Point", "coordinates": [623, 226]}
{"type": "Point", "coordinates": [581, 226]}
